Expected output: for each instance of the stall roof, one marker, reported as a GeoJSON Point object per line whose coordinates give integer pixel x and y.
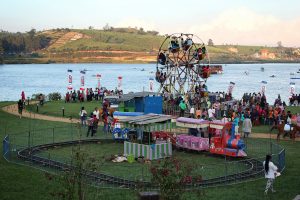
{"type": "Point", "coordinates": [129, 96]}
{"type": "Point", "coordinates": [146, 119]}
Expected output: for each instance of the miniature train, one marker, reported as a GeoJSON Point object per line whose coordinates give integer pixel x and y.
{"type": "Point", "coordinates": [215, 136]}
{"type": "Point", "coordinates": [219, 137]}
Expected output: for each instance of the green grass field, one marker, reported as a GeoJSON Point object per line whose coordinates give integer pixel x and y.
{"type": "Point", "coordinates": [54, 108]}
{"type": "Point", "coordinates": [208, 166]}
{"type": "Point", "coordinates": [22, 182]}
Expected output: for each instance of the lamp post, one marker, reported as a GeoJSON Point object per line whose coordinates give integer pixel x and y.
{"type": "Point", "coordinates": [37, 107]}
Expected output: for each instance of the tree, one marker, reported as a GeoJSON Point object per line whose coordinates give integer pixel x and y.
{"type": "Point", "coordinates": [106, 27]}
{"type": "Point", "coordinates": [91, 28]}
{"type": "Point", "coordinates": [31, 33]}
{"type": "Point", "coordinates": [210, 42]}
{"type": "Point", "coordinates": [279, 44]}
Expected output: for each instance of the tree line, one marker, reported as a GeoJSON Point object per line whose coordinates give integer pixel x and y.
{"type": "Point", "coordinates": [14, 43]}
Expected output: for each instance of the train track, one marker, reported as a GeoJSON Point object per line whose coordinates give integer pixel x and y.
{"type": "Point", "coordinates": [254, 170]}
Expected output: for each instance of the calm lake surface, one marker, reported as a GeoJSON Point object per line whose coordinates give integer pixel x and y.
{"type": "Point", "coordinates": [47, 78]}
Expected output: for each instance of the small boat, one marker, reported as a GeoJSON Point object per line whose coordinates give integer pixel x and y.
{"type": "Point", "coordinates": [142, 69]}
{"type": "Point", "coordinates": [246, 72]}
{"type": "Point", "coordinates": [292, 73]}
{"type": "Point", "coordinates": [262, 69]}
{"type": "Point", "coordinates": [272, 76]}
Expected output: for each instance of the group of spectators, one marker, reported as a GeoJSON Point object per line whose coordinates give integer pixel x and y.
{"type": "Point", "coordinates": [89, 94]}
{"type": "Point", "coordinates": [92, 120]}
{"type": "Point", "coordinates": [294, 100]}
{"type": "Point", "coordinates": [252, 106]}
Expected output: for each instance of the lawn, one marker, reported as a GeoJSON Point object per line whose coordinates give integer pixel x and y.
{"type": "Point", "coordinates": [55, 108]}
{"type": "Point", "coordinates": [206, 165]}
{"type": "Point", "coordinates": [22, 182]}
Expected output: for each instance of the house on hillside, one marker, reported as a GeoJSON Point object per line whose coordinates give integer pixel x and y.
{"type": "Point", "coordinates": [265, 54]}
{"type": "Point", "coordinates": [271, 56]}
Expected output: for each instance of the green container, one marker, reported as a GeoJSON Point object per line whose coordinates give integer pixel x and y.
{"type": "Point", "coordinates": [130, 158]}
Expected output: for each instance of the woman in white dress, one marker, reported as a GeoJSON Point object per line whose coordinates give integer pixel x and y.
{"type": "Point", "coordinates": [270, 173]}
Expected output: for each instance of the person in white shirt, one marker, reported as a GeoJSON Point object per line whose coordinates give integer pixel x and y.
{"type": "Point", "coordinates": [211, 113]}
{"type": "Point", "coordinates": [192, 112]}
{"type": "Point", "coordinates": [96, 112]}
{"type": "Point", "coordinates": [83, 116]}
{"type": "Point", "coordinates": [270, 173]}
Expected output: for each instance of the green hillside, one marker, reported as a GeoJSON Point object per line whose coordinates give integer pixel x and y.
{"type": "Point", "coordinates": [119, 45]}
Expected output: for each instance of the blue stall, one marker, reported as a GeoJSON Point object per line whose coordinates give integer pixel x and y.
{"type": "Point", "coordinates": [146, 102]}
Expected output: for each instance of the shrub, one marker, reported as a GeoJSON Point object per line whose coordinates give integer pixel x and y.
{"type": "Point", "coordinates": [55, 96]}
{"type": "Point", "coordinates": [171, 176]}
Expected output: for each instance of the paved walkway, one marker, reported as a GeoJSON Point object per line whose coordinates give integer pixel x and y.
{"type": "Point", "coordinates": [13, 109]}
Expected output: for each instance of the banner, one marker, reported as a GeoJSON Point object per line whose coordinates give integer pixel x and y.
{"type": "Point", "coordinates": [120, 83]}
{"type": "Point", "coordinates": [151, 82]}
{"type": "Point", "coordinates": [230, 87]}
{"type": "Point", "coordinates": [98, 80]}
{"type": "Point", "coordinates": [82, 74]}
{"type": "Point", "coordinates": [292, 89]}
{"type": "Point", "coordinates": [70, 80]}
{"type": "Point", "coordinates": [263, 87]}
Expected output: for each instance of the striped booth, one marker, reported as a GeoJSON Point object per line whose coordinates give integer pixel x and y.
{"type": "Point", "coordinates": [151, 152]}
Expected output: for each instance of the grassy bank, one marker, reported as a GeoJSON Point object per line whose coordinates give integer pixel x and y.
{"type": "Point", "coordinates": [21, 182]}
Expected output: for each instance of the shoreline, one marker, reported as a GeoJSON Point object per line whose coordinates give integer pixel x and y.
{"type": "Point", "coordinates": [139, 62]}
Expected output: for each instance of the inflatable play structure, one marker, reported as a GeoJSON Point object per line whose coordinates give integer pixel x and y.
{"type": "Point", "coordinates": [223, 139]}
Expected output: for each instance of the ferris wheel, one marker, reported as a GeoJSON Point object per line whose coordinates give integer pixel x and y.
{"type": "Point", "coordinates": [182, 63]}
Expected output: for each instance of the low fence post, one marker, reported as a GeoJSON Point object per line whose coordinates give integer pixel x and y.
{"type": "Point", "coordinates": [52, 135]}
{"type": "Point", "coordinates": [29, 139]}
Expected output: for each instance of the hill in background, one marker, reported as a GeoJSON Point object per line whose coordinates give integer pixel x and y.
{"type": "Point", "coordinates": [118, 45]}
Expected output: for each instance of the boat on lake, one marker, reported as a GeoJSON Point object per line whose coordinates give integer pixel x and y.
{"type": "Point", "coordinates": [216, 69]}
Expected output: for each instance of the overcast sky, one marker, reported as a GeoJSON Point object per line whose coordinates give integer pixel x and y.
{"type": "Point", "coordinates": [248, 22]}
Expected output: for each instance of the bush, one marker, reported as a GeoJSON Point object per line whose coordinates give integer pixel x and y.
{"type": "Point", "coordinates": [55, 96]}
{"type": "Point", "coordinates": [36, 96]}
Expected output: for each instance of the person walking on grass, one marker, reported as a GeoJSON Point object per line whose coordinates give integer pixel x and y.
{"type": "Point", "coordinates": [270, 173]}
{"type": "Point", "coordinates": [83, 116]}
{"type": "Point", "coordinates": [20, 108]}
{"type": "Point", "coordinates": [247, 126]}
{"type": "Point", "coordinates": [92, 126]}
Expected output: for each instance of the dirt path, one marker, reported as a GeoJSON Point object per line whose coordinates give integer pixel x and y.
{"type": "Point", "coordinates": [13, 109]}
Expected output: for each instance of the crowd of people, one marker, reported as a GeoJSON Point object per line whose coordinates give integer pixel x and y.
{"type": "Point", "coordinates": [294, 100]}
{"type": "Point", "coordinates": [92, 120]}
{"type": "Point", "coordinates": [89, 94]}
{"type": "Point", "coordinates": [252, 109]}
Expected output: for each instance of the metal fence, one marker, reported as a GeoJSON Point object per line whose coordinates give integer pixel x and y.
{"type": "Point", "coordinates": [50, 149]}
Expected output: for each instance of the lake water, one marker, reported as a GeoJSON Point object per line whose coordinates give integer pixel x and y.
{"type": "Point", "coordinates": [47, 78]}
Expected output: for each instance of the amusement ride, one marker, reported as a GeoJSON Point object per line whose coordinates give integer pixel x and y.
{"type": "Point", "coordinates": [182, 63]}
